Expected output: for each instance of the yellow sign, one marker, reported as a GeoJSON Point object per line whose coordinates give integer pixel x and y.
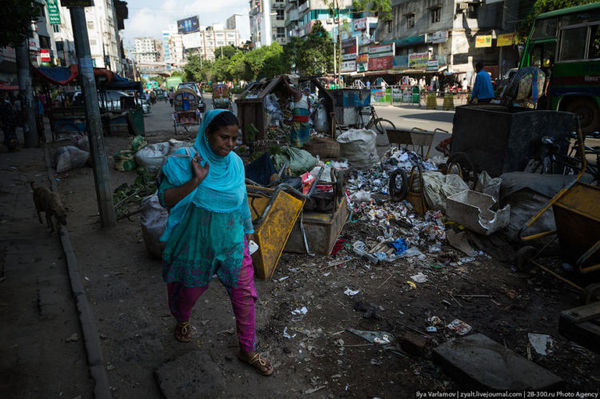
{"type": "Point", "coordinates": [507, 39]}
{"type": "Point", "coordinates": [483, 41]}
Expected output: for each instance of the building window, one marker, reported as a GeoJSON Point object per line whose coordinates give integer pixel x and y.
{"type": "Point", "coordinates": [388, 26]}
{"type": "Point", "coordinates": [280, 15]}
{"type": "Point", "coordinates": [410, 21]}
{"type": "Point", "coordinates": [90, 25]}
{"type": "Point", "coordinates": [280, 32]}
{"type": "Point", "coordinates": [435, 14]}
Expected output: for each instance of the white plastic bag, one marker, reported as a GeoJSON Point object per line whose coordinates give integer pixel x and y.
{"type": "Point", "coordinates": [152, 156]}
{"type": "Point", "coordinates": [438, 187]}
{"type": "Point", "coordinates": [321, 124]}
{"type": "Point", "coordinates": [70, 157]}
{"type": "Point", "coordinates": [488, 185]}
{"type": "Point", "coordinates": [153, 222]}
{"type": "Point", "coordinates": [358, 146]}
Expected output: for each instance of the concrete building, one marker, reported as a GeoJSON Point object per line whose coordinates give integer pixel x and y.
{"type": "Point", "coordinates": [301, 15]}
{"type": "Point", "coordinates": [148, 50]}
{"type": "Point", "coordinates": [451, 35]}
{"type": "Point", "coordinates": [103, 31]}
{"type": "Point", "coordinates": [176, 50]}
{"type": "Point", "coordinates": [267, 22]}
{"type": "Point", "coordinates": [241, 23]}
{"type": "Point", "coordinates": [207, 39]}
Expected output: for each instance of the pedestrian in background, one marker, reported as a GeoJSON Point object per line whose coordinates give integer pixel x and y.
{"type": "Point", "coordinates": [8, 120]}
{"type": "Point", "coordinates": [300, 131]}
{"type": "Point", "coordinates": [208, 230]}
{"type": "Point", "coordinates": [483, 91]}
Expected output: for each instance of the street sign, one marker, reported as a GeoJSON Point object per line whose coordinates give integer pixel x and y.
{"type": "Point", "coordinates": [53, 12]}
{"type": "Point", "coordinates": [507, 39]}
{"type": "Point", "coordinates": [45, 55]}
{"type": "Point", "coordinates": [483, 41]}
{"type": "Point", "coordinates": [77, 3]}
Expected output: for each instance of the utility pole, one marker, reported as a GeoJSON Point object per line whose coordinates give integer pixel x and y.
{"type": "Point", "coordinates": [30, 134]}
{"type": "Point", "coordinates": [92, 113]}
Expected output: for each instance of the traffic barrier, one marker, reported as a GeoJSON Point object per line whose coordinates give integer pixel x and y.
{"type": "Point", "coordinates": [431, 101]}
{"type": "Point", "coordinates": [448, 102]}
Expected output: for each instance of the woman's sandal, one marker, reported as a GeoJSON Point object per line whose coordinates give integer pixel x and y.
{"type": "Point", "coordinates": [261, 365]}
{"type": "Point", "coordinates": [183, 331]}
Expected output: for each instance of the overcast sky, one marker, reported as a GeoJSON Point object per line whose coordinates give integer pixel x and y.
{"type": "Point", "coordinates": [151, 17]}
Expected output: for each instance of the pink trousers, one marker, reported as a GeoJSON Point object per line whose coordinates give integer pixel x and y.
{"type": "Point", "coordinates": [182, 299]}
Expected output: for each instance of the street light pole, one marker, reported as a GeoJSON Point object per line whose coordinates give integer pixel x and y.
{"type": "Point", "coordinates": [92, 113]}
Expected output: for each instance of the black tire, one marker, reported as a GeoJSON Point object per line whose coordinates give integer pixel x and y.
{"type": "Point", "coordinates": [398, 187]}
{"type": "Point", "coordinates": [382, 125]}
{"type": "Point", "coordinates": [587, 111]}
{"type": "Point", "coordinates": [464, 164]}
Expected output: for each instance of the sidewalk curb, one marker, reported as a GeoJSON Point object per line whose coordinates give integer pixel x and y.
{"type": "Point", "coordinates": [86, 315]}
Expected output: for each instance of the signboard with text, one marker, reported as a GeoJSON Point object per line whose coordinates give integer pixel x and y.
{"type": "Point", "coordinates": [76, 3]}
{"type": "Point", "coordinates": [437, 37]}
{"type": "Point", "coordinates": [360, 24]}
{"type": "Point", "coordinates": [188, 25]}
{"type": "Point", "coordinates": [418, 60]}
{"type": "Point", "coordinates": [382, 50]}
{"type": "Point", "coordinates": [349, 66]}
{"type": "Point", "coordinates": [432, 66]}
{"type": "Point", "coordinates": [483, 41]}
{"type": "Point", "coordinates": [53, 12]}
{"type": "Point", "coordinates": [380, 63]}
{"type": "Point", "coordinates": [349, 49]}
{"type": "Point", "coordinates": [45, 55]}
{"type": "Point", "coordinates": [507, 39]}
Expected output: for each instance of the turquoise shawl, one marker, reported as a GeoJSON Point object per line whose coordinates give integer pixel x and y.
{"type": "Point", "coordinates": [222, 191]}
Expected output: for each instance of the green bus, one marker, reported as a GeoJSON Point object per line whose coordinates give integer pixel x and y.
{"type": "Point", "coordinates": [567, 44]}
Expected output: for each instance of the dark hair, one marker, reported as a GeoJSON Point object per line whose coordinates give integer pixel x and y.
{"type": "Point", "coordinates": [226, 118]}
{"type": "Point", "coordinates": [479, 66]}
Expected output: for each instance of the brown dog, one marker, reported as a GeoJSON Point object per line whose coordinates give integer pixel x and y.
{"type": "Point", "coordinates": [50, 203]}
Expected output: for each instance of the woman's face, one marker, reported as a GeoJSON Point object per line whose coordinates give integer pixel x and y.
{"type": "Point", "coordinates": [223, 140]}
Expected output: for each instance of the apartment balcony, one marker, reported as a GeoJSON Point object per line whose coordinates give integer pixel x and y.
{"type": "Point", "coordinates": [292, 15]}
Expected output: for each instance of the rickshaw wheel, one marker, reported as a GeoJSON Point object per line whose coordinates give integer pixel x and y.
{"type": "Point", "coordinates": [592, 293]}
{"type": "Point", "coordinates": [524, 257]}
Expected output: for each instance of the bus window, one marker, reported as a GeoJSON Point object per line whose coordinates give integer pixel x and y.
{"type": "Point", "coordinates": [542, 52]}
{"type": "Point", "coordinates": [580, 18]}
{"type": "Point", "coordinates": [544, 29]}
{"type": "Point", "coordinates": [572, 45]}
{"type": "Point", "coordinates": [594, 48]}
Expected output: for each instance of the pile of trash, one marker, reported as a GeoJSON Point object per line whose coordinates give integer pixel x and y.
{"type": "Point", "coordinates": [149, 156]}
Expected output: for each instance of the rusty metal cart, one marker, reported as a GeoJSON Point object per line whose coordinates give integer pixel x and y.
{"type": "Point", "coordinates": [577, 215]}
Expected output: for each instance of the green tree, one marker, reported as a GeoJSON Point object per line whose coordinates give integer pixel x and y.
{"type": "Point", "coordinates": [541, 6]}
{"type": "Point", "coordinates": [316, 53]}
{"type": "Point", "coordinates": [237, 66]}
{"type": "Point", "coordinates": [158, 79]}
{"type": "Point", "coordinates": [177, 73]}
{"type": "Point", "coordinates": [225, 51]}
{"type": "Point", "coordinates": [16, 17]}
{"type": "Point", "coordinates": [381, 8]}
{"type": "Point", "coordinates": [197, 69]}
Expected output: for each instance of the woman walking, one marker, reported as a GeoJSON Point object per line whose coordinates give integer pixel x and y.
{"type": "Point", "coordinates": [208, 230]}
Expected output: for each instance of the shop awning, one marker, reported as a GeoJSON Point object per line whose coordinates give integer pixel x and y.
{"type": "Point", "coordinates": [120, 83]}
{"type": "Point", "coordinates": [65, 75]}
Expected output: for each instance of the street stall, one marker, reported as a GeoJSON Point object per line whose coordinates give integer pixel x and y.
{"type": "Point", "coordinates": [186, 112]}
{"type": "Point", "coordinates": [221, 96]}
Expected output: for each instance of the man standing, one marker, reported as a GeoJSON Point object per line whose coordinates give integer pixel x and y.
{"type": "Point", "coordinates": [482, 89]}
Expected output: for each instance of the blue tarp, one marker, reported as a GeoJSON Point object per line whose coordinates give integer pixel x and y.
{"type": "Point", "coordinates": [121, 83]}
{"type": "Point", "coordinates": [59, 75]}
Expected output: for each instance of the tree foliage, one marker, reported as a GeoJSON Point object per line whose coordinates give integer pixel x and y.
{"type": "Point", "coordinates": [315, 53]}
{"type": "Point", "coordinates": [541, 6]}
{"type": "Point", "coordinates": [16, 17]}
{"type": "Point", "coordinates": [381, 8]}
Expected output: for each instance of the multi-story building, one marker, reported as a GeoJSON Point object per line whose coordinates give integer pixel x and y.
{"type": "Point", "coordinates": [451, 35]}
{"type": "Point", "coordinates": [148, 50]}
{"type": "Point", "coordinates": [204, 41]}
{"type": "Point", "coordinates": [103, 31]}
{"type": "Point", "coordinates": [267, 22]}
{"type": "Point", "coordinates": [176, 49]}
{"type": "Point", "coordinates": [301, 15]}
{"type": "Point", "coordinates": [241, 23]}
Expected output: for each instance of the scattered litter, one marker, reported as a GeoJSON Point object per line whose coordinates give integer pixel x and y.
{"type": "Point", "coordinates": [473, 210]}
{"type": "Point", "coordinates": [351, 292]}
{"type": "Point", "coordinates": [460, 242]}
{"type": "Point", "coordinates": [287, 335]}
{"type": "Point", "coordinates": [541, 343]}
{"type": "Point", "coordinates": [313, 390]}
{"type": "Point", "coordinates": [419, 278]}
{"type": "Point", "coordinates": [431, 329]}
{"type": "Point", "coordinates": [434, 320]}
{"type": "Point", "coordinates": [73, 338]}
{"type": "Point", "coordinates": [377, 337]}
{"type": "Point", "coordinates": [252, 247]}
{"type": "Point", "coordinates": [302, 311]}
{"type": "Point", "coordinates": [459, 326]}
{"type": "Point", "coordinates": [283, 278]}
{"type": "Point", "coordinates": [411, 252]}
{"type": "Point", "coordinates": [326, 274]}
{"type": "Point", "coordinates": [400, 246]}
{"type": "Point", "coordinates": [412, 284]}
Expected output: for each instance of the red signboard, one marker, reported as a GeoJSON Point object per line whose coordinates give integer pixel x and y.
{"type": "Point", "coordinates": [45, 54]}
{"type": "Point", "coordinates": [379, 63]}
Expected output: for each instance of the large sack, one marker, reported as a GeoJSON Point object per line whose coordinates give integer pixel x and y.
{"type": "Point", "coordinates": [358, 146]}
{"type": "Point", "coordinates": [152, 156]}
{"type": "Point", "coordinates": [70, 157]}
{"type": "Point", "coordinates": [153, 222]}
{"type": "Point", "coordinates": [299, 161]}
{"type": "Point", "coordinates": [438, 187]}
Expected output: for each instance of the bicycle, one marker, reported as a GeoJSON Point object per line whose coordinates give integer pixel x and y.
{"type": "Point", "coordinates": [379, 125]}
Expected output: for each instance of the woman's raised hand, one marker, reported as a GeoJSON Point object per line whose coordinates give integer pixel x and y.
{"type": "Point", "coordinates": [200, 172]}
